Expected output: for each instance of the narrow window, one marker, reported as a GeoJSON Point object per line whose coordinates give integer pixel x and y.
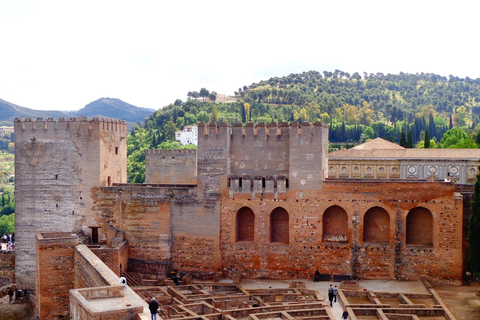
{"type": "Point", "coordinates": [116, 150]}
{"type": "Point", "coordinates": [109, 181]}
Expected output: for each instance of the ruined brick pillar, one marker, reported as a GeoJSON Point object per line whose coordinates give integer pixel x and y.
{"type": "Point", "coordinates": [55, 273]}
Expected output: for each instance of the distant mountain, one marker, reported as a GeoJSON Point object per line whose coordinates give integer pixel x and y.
{"type": "Point", "coordinates": [10, 111]}
{"type": "Point", "coordinates": [114, 108]}
{"type": "Point", "coordinates": [103, 107]}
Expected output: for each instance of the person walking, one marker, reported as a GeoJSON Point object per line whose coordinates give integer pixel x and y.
{"type": "Point", "coordinates": [345, 314]}
{"type": "Point", "coordinates": [316, 276]}
{"type": "Point", "coordinates": [153, 306]}
{"type": "Point", "coordinates": [176, 279]}
{"type": "Point", "coordinates": [330, 295]}
{"type": "Point", "coordinates": [10, 295]}
{"type": "Point", "coordinates": [335, 292]}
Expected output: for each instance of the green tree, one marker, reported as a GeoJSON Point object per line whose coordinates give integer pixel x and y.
{"type": "Point", "coordinates": [474, 230]}
{"type": "Point", "coordinates": [7, 224]}
{"type": "Point", "coordinates": [214, 114]}
{"type": "Point", "coordinates": [368, 132]}
{"type": "Point", "coordinates": [461, 115]}
{"type": "Point", "coordinates": [203, 116]}
{"type": "Point", "coordinates": [170, 129]}
{"type": "Point", "coordinates": [204, 93]}
{"type": "Point", "coordinates": [426, 140]}
{"type": "Point", "coordinates": [456, 138]}
{"type": "Point", "coordinates": [409, 139]}
{"type": "Point", "coordinates": [403, 140]}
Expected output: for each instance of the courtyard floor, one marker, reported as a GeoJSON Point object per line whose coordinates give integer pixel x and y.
{"type": "Point", "coordinates": [462, 301]}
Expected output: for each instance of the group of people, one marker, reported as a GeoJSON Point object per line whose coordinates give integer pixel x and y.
{"type": "Point", "coordinates": [16, 294]}
{"type": "Point", "coordinates": [7, 242]}
{"type": "Point", "coordinates": [332, 294]}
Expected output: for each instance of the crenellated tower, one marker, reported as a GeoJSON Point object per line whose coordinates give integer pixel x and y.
{"type": "Point", "coordinates": [58, 167]}
{"type": "Point", "coordinates": [273, 158]}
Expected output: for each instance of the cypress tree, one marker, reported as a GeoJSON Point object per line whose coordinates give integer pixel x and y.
{"type": "Point", "coordinates": [403, 140]}
{"type": "Point", "coordinates": [427, 140]}
{"type": "Point", "coordinates": [474, 230]}
{"type": "Point", "coordinates": [409, 139]}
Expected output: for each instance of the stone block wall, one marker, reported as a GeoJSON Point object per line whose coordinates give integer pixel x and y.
{"type": "Point", "coordinates": [55, 273]}
{"type": "Point", "coordinates": [57, 163]}
{"type": "Point", "coordinates": [171, 166]}
{"type": "Point", "coordinates": [84, 304]}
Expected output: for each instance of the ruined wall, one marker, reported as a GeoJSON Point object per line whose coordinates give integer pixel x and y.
{"type": "Point", "coordinates": [57, 163]}
{"type": "Point", "coordinates": [161, 223]}
{"type": "Point", "coordinates": [171, 166]}
{"type": "Point", "coordinates": [55, 273]}
{"type": "Point", "coordinates": [307, 250]}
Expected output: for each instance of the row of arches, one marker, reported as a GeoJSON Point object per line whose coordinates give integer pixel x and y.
{"type": "Point", "coordinates": [376, 225]}
{"type": "Point", "coordinates": [279, 225]}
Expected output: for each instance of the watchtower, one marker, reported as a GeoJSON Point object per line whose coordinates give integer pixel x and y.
{"type": "Point", "coordinates": [58, 167]}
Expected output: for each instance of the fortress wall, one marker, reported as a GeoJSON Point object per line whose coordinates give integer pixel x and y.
{"type": "Point", "coordinates": [308, 155]}
{"type": "Point", "coordinates": [171, 166]}
{"type": "Point", "coordinates": [56, 165]}
{"type": "Point", "coordinates": [260, 151]}
{"type": "Point", "coordinates": [161, 223]}
{"type": "Point", "coordinates": [213, 161]}
{"type": "Point", "coordinates": [307, 250]}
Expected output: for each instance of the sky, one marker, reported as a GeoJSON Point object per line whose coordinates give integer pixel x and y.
{"type": "Point", "coordinates": [62, 55]}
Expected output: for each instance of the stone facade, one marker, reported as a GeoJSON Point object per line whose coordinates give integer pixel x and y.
{"type": "Point", "coordinates": [382, 159]}
{"type": "Point", "coordinates": [57, 165]}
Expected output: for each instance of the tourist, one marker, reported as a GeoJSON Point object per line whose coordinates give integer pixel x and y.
{"type": "Point", "coordinates": [10, 295]}
{"type": "Point", "coordinates": [316, 276]}
{"type": "Point", "coordinates": [176, 279]}
{"type": "Point", "coordinates": [345, 314]}
{"type": "Point", "coordinates": [123, 281]}
{"type": "Point", "coordinates": [330, 295]}
{"type": "Point", "coordinates": [153, 306]}
{"type": "Point", "coordinates": [335, 292]}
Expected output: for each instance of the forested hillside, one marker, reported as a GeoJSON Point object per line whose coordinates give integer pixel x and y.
{"type": "Point", "coordinates": [414, 110]}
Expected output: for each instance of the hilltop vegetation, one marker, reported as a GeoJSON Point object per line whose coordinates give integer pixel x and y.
{"type": "Point", "coordinates": [414, 110]}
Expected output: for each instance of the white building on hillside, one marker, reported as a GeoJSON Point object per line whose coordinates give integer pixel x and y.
{"type": "Point", "coordinates": [188, 135]}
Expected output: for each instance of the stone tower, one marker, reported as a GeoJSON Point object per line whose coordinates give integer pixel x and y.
{"type": "Point", "coordinates": [58, 167]}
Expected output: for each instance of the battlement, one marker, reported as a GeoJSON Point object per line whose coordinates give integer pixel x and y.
{"type": "Point", "coordinates": [74, 124]}
{"type": "Point", "coordinates": [258, 184]}
{"type": "Point", "coordinates": [161, 152]}
{"type": "Point", "coordinates": [273, 129]}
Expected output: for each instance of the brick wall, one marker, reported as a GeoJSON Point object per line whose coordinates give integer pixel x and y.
{"type": "Point", "coordinates": [54, 273]}
{"type": "Point", "coordinates": [307, 251]}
